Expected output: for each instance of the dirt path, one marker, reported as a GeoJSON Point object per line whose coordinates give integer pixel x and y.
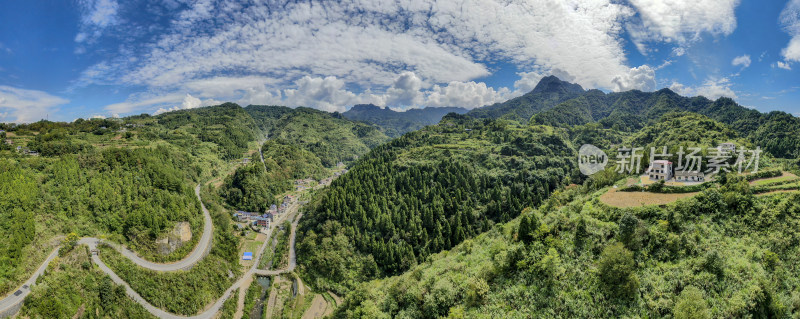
{"type": "Point", "coordinates": [318, 308]}
{"type": "Point", "coordinates": [242, 293]}
{"type": "Point", "coordinates": [273, 295]}
{"type": "Point", "coordinates": [336, 298]}
{"type": "Point", "coordinates": [638, 199]}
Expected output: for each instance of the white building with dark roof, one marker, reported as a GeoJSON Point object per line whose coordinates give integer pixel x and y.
{"type": "Point", "coordinates": [660, 170]}
{"type": "Point", "coordinates": [690, 176]}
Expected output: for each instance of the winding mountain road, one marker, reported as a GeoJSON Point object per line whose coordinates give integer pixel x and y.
{"type": "Point", "coordinates": [11, 304]}
{"type": "Point", "coordinates": [198, 253]}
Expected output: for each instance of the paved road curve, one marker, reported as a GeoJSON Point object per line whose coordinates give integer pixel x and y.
{"type": "Point", "coordinates": [200, 250]}
{"type": "Point", "coordinates": [15, 299]}
{"type": "Point", "coordinates": [11, 304]}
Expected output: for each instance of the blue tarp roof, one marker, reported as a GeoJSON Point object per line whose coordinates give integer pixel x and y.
{"type": "Point", "coordinates": [247, 256]}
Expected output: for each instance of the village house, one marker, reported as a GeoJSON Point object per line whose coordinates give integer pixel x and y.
{"type": "Point", "coordinates": [243, 216]}
{"type": "Point", "coordinates": [261, 221]}
{"type": "Point", "coordinates": [660, 170]}
{"type": "Point", "coordinates": [727, 148]}
{"type": "Point", "coordinates": [690, 176]}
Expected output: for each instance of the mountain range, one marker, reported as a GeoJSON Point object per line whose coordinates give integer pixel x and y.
{"type": "Point", "coordinates": [394, 123]}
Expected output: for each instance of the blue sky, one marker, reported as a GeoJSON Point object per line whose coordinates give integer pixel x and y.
{"type": "Point", "coordinates": [82, 58]}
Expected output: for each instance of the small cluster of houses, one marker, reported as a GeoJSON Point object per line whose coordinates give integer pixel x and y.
{"type": "Point", "coordinates": [303, 184]}
{"type": "Point", "coordinates": [258, 220]}
{"type": "Point", "coordinates": [27, 151]}
{"type": "Point", "coordinates": [327, 181]}
{"type": "Point", "coordinates": [254, 219]}
{"type": "Point", "coordinates": [664, 170]}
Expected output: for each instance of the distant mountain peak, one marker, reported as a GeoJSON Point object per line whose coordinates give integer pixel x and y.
{"type": "Point", "coordinates": [366, 107]}
{"type": "Point", "coordinates": [552, 84]}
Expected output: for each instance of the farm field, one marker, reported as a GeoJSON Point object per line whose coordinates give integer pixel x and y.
{"type": "Point", "coordinates": [638, 199]}
{"type": "Point", "coordinates": [764, 181]}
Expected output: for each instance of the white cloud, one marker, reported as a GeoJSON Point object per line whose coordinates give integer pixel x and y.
{"type": "Point", "coordinates": [96, 15]}
{"type": "Point", "coordinates": [790, 20]}
{"type": "Point", "coordinates": [782, 65]}
{"type": "Point", "coordinates": [101, 13]}
{"type": "Point", "coordinates": [711, 89]}
{"type": "Point", "coordinates": [26, 105]}
{"type": "Point", "coordinates": [405, 91]}
{"type": "Point", "coordinates": [638, 78]}
{"type": "Point", "coordinates": [465, 94]}
{"type": "Point", "coordinates": [326, 94]}
{"type": "Point", "coordinates": [792, 51]}
{"type": "Point", "coordinates": [138, 103]}
{"type": "Point", "coordinates": [743, 61]}
{"type": "Point", "coordinates": [527, 82]}
{"type": "Point", "coordinates": [353, 41]}
{"type": "Point", "coordinates": [682, 20]}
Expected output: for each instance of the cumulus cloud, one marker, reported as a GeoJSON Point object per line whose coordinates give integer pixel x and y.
{"type": "Point", "coordinates": [743, 61]}
{"type": "Point", "coordinates": [354, 41]}
{"type": "Point", "coordinates": [189, 102]}
{"type": "Point", "coordinates": [782, 65]}
{"type": "Point", "coordinates": [790, 20]}
{"type": "Point", "coordinates": [405, 91]}
{"type": "Point", "coordinates": [682, 20]}
{"type": "Point", "coordinates": [638, 78]}
{"type": "Point", "coordinates": [326, 94]}
{"type": "Point", "coordinates": [26, 105]}
{"type": "Point", "coordinates": [465, 94]}
{"type": "Point", "coordinates": [711, 89]}
{"type": "Point", "coordinates": [527, 82]}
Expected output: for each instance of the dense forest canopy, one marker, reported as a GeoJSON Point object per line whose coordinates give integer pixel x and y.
{"type": "Point", "coordinates": [481, 214]}
{"type": "Point", "coordinates": [428, 191]}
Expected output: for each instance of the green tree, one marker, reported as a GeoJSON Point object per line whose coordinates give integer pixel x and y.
{"type": "Point", "coordinates": [580, 234]}
{"type": "Point", "coordinates": [627, 230]}
{"type": "Point", "coordinates": [617, 271]}
{"type": "Point", "coordinates": [691, 305]}
{"type": "Point", "coordinates": [524, 232]}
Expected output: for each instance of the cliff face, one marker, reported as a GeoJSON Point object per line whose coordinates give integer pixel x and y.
{"type": "Point", "coordinates": [179, 236]}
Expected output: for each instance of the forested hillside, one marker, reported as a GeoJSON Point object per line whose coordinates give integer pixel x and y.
{"type": "Point", "coordinates": [776, 132]}
{"type": "Point", "coordinates": [723, 253]}
{"type": "Point", "coordinates": [301, 144]}
{"type": "Point", "coordinates": [330, 137]}
{"type": "Point", "coordinates": [428, 191]}
{"type": "Point", "coordinates": [548, 93]}
{"type": "Point", "coordinates": [394, 123]}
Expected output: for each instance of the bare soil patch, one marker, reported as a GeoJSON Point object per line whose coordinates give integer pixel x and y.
{"type": "Point", "coordinates": [638, 199]}
{"type": "Point", "coordinates": [318, 308]}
